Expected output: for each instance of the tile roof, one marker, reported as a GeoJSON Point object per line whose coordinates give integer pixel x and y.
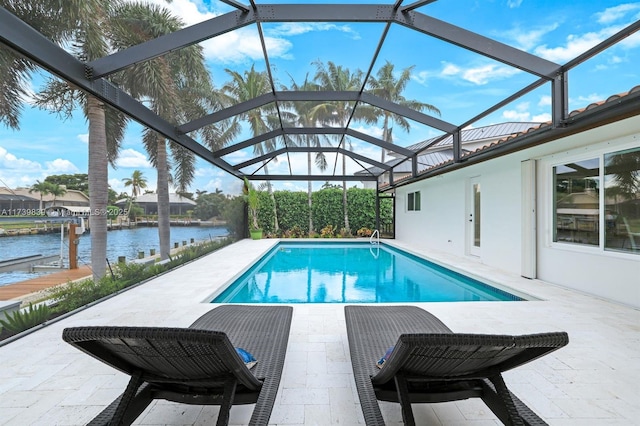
{"type": "Point", "coordinates": [531, 129]}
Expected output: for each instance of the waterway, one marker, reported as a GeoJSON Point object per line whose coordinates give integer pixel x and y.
{"type": "Point", "coordinates": [125, 242]}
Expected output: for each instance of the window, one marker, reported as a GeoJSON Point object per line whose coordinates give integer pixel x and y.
{"type": "Point", "coordinates": [622, 200]}
{"type": "Point", "coordinates": [576, 202]}
{"type": "Point", "coordinates": [413, 201]}
{"type": "Point", "coordinates": [585, 216]}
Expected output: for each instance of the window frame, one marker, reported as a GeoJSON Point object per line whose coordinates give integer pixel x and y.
{"type": "Point", "coordinates": [549, 163]}
{"type": "Point", "coordinates": [411, 201]}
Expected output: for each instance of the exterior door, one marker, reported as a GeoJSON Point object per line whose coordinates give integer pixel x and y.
{"type": "Point", "coordinates": [473, 217]}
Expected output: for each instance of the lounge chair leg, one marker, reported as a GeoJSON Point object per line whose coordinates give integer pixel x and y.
{"type": "Point", "coordinates": [505, 396]}
{"type": "Point", "coordinates": [405, 403]}
{"type": "Point", "coordinates": [127, 397]}
{"type": "Point", "coordinates": [227, 402]}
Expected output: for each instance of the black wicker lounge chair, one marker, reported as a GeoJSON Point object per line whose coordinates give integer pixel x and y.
{"type": "Point", "coordinates": [429, 363]}
{"type": "Point", "coordinates": [195, 365]}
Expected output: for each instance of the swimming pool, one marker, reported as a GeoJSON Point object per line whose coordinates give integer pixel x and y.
{"type": "Point", "coordinates": [296, 272]}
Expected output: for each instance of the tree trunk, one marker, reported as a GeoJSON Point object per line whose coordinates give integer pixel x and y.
{"type": "Point", "coordinates": [385, 135]}
{"type": "Point", "coordinates": [309, 189]}
{"type": "Point", "coordinates": [344, 194]}
{"type": "Point", "coordinates": [98, 186]}
{"type": "Point", "coordinates": [276, 226]}
{"type": "Point", "coordinates": [164, 223]}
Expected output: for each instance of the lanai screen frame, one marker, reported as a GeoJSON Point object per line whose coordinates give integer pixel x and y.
{"type": "Point", "coordinates": [91, 77]}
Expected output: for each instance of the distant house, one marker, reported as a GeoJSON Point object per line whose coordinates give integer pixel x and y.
{"type": "Point", "coordinates": [12, 203]}
{"type": "Point", "coordinates": [72, 197]}
{"type": "Point", "coordinates": [178, 205]}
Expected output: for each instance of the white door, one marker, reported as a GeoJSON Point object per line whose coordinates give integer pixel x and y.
{"type": "Point", "coordinates": [473, 217]}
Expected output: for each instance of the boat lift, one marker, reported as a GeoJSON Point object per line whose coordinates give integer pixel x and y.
{"type": "Point", "coordinates": [75, 225]}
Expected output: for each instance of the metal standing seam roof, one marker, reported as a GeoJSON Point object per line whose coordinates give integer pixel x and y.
{"type": "Point", "coordinates": [93, 78]}
{"type": "Point", "coordinates": [153, 198]}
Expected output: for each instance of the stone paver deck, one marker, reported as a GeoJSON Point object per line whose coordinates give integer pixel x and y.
{"type": "Point", "coordinates": [595, 380]}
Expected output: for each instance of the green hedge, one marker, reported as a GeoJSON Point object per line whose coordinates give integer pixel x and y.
{"type": "Point", "coordinates": [293, 210]}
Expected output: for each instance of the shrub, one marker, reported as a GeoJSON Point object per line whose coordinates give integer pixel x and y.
{"type": "Point", "coordinates": [364, 232]}
{"type": "Point", "coordinates": [327, 232]}
{"type": "Point", "coordinates": [23, 320]}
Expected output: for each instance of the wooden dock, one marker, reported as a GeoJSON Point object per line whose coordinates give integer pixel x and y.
{"type": "Point", "coordinates": [23, 288]}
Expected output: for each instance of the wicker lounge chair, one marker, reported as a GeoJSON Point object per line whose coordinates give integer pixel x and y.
{"type": "Point", "coordinates": [429, 363]}
{"type": "Point", "coordinates": [195, 365]}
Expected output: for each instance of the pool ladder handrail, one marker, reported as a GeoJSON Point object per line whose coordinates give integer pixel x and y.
{"type": "Point", "coordinates": [375, 234]}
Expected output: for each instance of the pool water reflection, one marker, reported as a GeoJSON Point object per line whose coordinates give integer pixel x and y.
{"type": "Point", "coordinates": [352, 273]}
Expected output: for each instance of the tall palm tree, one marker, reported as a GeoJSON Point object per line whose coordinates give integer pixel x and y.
{"type": "Point", "coordinates": [79, 24]}
{"type": "Point", "coordinates": [55, 20]}
{"type": "Point", "coordinates": [388, 87]}
{"type": "Point", "coordinates": [178, 88]}
{"type": "Point", "coordinates": [307, 116]}
{"type": "Point", "coordinates": [137, 182]}
{"type": "Point", "coordinates": [42, 188]}
{"type": "Point", "coordinates": [57, 191]}
{"type": "Point", "coordinates": [335, 77]}
{"type": "Point", "coordinates": [244, 87]}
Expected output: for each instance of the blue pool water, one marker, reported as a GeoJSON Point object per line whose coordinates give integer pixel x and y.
{"type": "Point", "coordinates": [352, 273]}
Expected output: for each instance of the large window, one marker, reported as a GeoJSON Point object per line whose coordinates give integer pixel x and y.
{"type": "Point", "coordinates": [413, 201]}
{"type": "Point", "coordinates": [577, 206]}
{"type": "Point", "coordinates": [622, 200]}
{"type": "Point", "coordinates": [585, 216]}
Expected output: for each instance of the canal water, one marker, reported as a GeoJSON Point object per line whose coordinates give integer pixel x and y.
{"type": "Point", "coordinates": [124, 242]}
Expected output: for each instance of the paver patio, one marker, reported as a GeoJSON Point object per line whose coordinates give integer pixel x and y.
{"type": "Point", "coordinates": [595, 380]}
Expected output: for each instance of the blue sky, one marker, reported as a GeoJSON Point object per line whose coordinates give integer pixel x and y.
{"type": "Point", "coordinates": [458, 82]}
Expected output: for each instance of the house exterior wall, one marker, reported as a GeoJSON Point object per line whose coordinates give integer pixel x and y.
{"type": "Point", "coordinates": [442, 222]}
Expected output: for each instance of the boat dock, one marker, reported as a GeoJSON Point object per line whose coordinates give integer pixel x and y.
{"type": "Point", "coordinates": [24, 288]}
{"type": "Point", "coordinates": [26, 263]}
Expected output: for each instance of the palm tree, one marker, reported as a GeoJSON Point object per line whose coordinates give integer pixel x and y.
{"type": "Point", "coordinates": [57, 191]}
{"type": "Point", "coordinates": [335, 77]}
{"type": "Point", "coordinates": [42, 188]}
{"type": "Point", "coordinates": [306, 116]}
{"type": "Point", "coordinates": [55, 20]}
{"type": "Point", "coordinates": [244, 87]}
{"type": "Point", "coordinates": [178, 88]}
{"type": "Point", "coordinates": [86, 21]}
{"type": "Point", "coordinates": [137, 182]}
{"type": "Point", "coordinates": [388, 87]}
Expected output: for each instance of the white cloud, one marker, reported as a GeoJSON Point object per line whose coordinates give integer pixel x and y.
{"type": "Point", "coordinates": [514, 3]}
{"type": "Point", "coordinates": [478, 75]}
{"type": "Point", "coordinates": [545, 100]}
{"type": "Point", "coordinates": [616, 13]}
{"type": "Point", "coordinates": [483, 74]}
{"type": "Point", "coordinates": [527, 39]}
{"type": "Point", "coordinates": [298, 28]}
{"type": "Point", "coordinates": [588, 99]}
{"type": "Point", "coordinates": [212, 185]}
{"type": "Point", "coordinates": [374, 131]}
{"type": "Point", "coordinates": [190, 11]}
{"type": "Point", "coordinates": [10, 161]}
{"type": "Point", "coordinates": [514, 115]}
{"type": "Point", "coordinates": [83, 137]}
{"type": "Point", "coordinates": [574, 45]}
{"type": "Point", "coordinates": [131, 158]}
{"type": "Point", "coordinates": [543, 118]}
{"type": "Point", "coordinates": [520, 113]}
{"type": "Point", "coordinates": [244, 44]}
{"type": "Point", "coordinates": [210, 171]}
{"type": "Point", "coordinates": [450, 69]}
{"type": "Point", "coordinates": [61, 166]}
{"type": "Point", "coordinates": [117, 185]}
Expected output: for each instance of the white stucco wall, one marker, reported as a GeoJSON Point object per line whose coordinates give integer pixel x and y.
{"type": "Point", "coordinates": [442, 222]}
